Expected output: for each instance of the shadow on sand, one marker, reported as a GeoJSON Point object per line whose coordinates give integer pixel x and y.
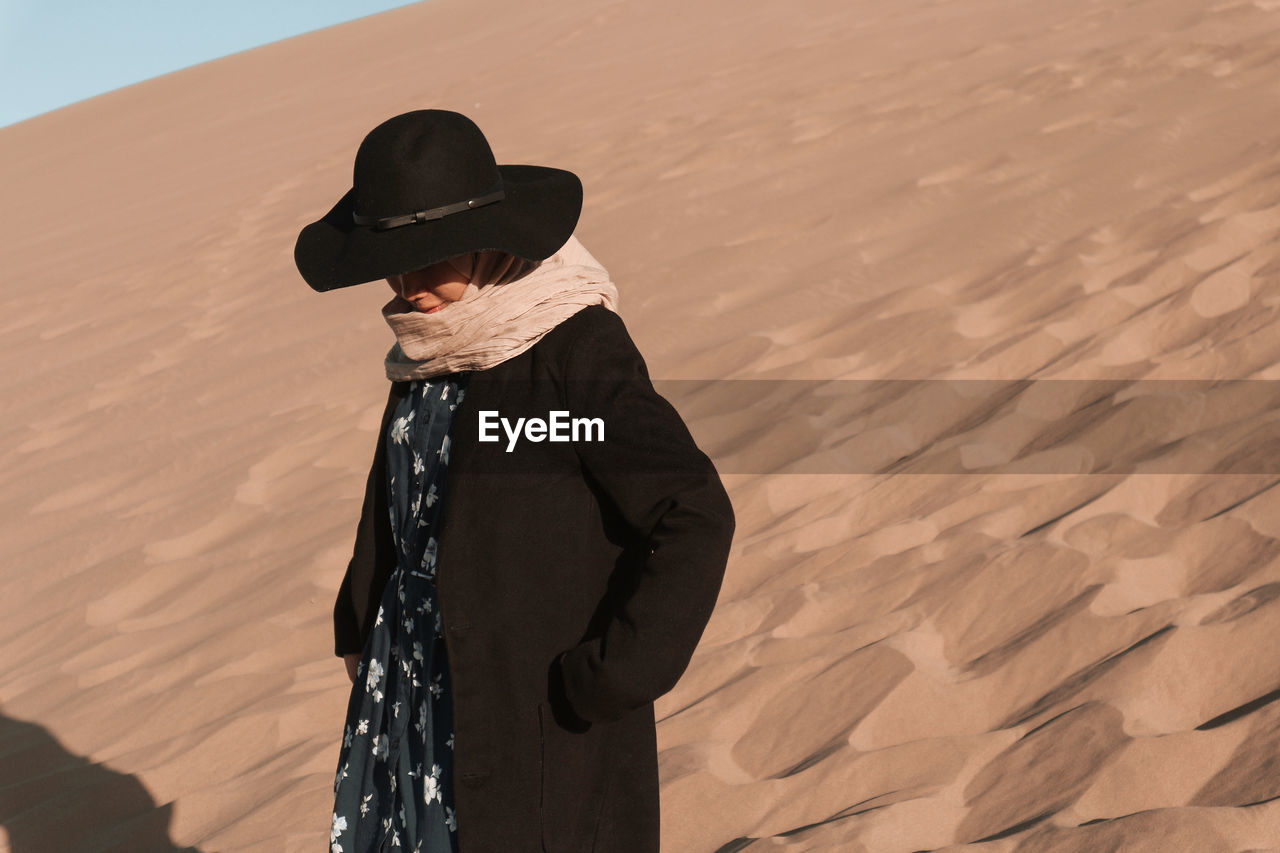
{"type": "Point", "coordinates": [52, 801]}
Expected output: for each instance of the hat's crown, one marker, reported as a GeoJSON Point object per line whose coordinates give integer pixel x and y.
{"type": "Point", "coordinates": [420, 160]}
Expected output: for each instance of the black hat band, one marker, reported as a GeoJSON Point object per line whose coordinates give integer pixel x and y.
{"type": "Point", "coordinates": [385, 222]}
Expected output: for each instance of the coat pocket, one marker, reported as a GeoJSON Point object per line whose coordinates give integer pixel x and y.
{"type": "Point", "coordinates": [574, 777]}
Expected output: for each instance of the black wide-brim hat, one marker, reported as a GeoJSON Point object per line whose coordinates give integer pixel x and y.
{"type": "Point", "coordinates": [426, 188]}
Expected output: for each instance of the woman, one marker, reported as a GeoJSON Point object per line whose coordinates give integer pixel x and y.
{"type": "Point", "coordinates": [507, 627]}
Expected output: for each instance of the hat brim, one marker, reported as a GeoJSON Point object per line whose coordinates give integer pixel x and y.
{"type": "Point", "coordinates": [537, 217]}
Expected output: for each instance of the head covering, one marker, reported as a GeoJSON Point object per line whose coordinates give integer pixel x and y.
{"type": "Point", "coordinates": [426, 187]}
{"type": "Point", "coordinates": [509, 304]}
{"type": "Point", "coordinates": [490, 267]}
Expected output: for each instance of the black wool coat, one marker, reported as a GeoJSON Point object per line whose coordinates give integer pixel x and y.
{"type": "Point", "coordinates": [574, 581]}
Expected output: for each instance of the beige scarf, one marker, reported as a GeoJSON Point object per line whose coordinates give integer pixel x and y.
{"type": "Point", "coordinates": [507, 308]}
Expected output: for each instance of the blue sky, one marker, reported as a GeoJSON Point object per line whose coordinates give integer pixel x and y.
{"type": "Point", "coordinates": [57, 52]}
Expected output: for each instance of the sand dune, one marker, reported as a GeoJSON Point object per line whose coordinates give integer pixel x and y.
{"type": "Point", "coordinates": [976, 648]}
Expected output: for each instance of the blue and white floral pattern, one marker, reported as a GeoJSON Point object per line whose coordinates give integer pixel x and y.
{"type": "Point", "coordinates": [394, 785]}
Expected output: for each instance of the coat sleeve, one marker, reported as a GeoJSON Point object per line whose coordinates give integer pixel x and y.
{"type": "Point", "coordinates": [373, 555]}
{"type": "Point", "coordinates": [346, 627]}
{"type": "Point", "coordinates": [668, 493]}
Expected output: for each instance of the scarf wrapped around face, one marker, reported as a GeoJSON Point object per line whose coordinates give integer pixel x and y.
{"type": "Point", "coordinates": [507, 308]}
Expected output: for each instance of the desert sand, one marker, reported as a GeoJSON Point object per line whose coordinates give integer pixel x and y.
{"type": "Point", "coordinates": [905, 657]}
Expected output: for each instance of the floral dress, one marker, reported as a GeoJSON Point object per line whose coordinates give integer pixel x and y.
{"type": "Point", "coordinates": [394, 785]}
